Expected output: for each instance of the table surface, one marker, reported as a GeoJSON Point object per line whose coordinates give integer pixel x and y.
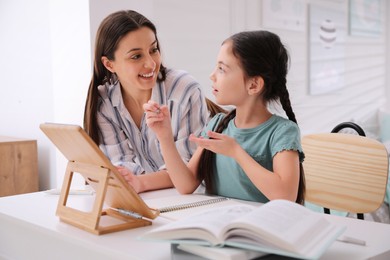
{"type": "Point", "coordinates": [30, 230]}
{"type": "Point", "coordinates": [10, 139]}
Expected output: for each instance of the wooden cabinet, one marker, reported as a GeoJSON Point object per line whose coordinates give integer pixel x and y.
{"type": "Point", "coordinates": [18, 166]}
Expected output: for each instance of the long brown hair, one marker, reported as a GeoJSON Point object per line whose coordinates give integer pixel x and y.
{"type": "Point", "coordinates": [214, 108]}
{"type": "Point", "coordinates": [112, 29]}
{"type": "Point", "coordinates": [261, 53]}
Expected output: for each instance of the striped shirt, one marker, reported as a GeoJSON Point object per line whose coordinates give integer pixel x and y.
{"type": "Point", "coordinates": [139, 149]}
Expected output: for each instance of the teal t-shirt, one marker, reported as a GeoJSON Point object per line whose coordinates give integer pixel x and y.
{"type": "Point", "coordinates": [262, 143]}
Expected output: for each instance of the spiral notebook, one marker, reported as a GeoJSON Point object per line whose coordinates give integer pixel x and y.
{"type": "Point", "coordinates": [181, 206]}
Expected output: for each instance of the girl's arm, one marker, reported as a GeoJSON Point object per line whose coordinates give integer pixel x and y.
{"type": "Point", "coordinates": [182, 176]}
{"type": "Point", "coordinates": [188, 117]}
{"type": "Point", "coordinates": [282, 183]}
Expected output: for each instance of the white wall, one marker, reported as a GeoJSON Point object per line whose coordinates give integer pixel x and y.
{"type": "Point", "coordinates": [45, 72]}
{"type": "Point", "coordinates": [26, 97]}
{"type": "Point", "coordinates": [364, 77]}
{"type": "Point", "coordinates": [46, 62]}
{"type": "Point", "coordinates": [387, 30]}
{"type": "Point", "coordinates": [71, 68]}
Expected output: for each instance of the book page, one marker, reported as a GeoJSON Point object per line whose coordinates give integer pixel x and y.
{"type": "Point", "coordinates": [207, 225]}
{"type": "Point", "coordinates": [286, 225]}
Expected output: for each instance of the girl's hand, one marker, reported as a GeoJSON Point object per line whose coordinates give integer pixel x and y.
{"type": "Point", "coordinates": [158, 119]}
{"type": "Point", "coordinates": [218, 143]}
{"type": "Point", "coordinates": [131, 179]}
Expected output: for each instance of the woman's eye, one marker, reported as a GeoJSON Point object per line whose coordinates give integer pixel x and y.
{"type": "Point", "coordinates": [220, 69]}
{"type": "Point", "coordinates": [154, 50]}
{"type": "Point", "coordinates": [135, 57]}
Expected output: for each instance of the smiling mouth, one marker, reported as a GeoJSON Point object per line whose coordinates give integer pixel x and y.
{"type": "Point", "coordinates": [148, 75]}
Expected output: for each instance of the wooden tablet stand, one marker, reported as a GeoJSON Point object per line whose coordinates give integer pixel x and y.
{"type": "Point", "coordinates": [85, 158]}
{"type": "Point", "coordinates": [89, 221]}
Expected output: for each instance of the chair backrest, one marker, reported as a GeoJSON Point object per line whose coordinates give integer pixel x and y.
{"type": "Point", "coordinates": [349, 126]}
{"type": "Point", "coordinates": [345, 172]}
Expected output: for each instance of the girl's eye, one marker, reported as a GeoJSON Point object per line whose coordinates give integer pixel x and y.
{"type": "Point", "coordinates": [154, 50]}
{"type": "Point", "coordinates": [220, 69]}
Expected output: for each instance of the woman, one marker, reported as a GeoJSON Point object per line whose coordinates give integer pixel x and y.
{"type": "Point", "coordinates": [128, 72]}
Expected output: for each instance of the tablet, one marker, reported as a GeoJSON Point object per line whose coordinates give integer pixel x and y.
{"type": "Point", "coordinates": [77, 146]}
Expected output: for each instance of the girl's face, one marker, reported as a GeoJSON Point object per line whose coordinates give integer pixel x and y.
{"type": "Point", "coordinates": [229, 85]}
{"type": "Point", "coordinates": [137, 60]}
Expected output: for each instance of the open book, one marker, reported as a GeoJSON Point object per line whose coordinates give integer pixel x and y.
{"type": "Point", "coordinates": [190, 251]}
{"type": "Point", "coordinates": [277, 227]}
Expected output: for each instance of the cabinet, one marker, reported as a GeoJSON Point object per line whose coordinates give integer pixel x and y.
{"type": "Point", "coordinates": [18, 166]}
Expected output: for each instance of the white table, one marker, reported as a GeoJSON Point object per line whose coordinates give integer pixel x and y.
{"type": "Point", "coordinates": [29, 229]}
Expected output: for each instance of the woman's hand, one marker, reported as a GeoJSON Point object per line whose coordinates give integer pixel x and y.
{"type": "Point", "coordinates": [158, 119]}
{"type": "Point", "coordinates": [131, 179]}
{"type": "Point", "coordinates": [217, 143]}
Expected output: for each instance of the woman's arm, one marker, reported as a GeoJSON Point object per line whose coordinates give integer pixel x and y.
{"type": "Point", "coordinates": [146, 182]}
{"type": "Point", "coordinates": [116, 145]}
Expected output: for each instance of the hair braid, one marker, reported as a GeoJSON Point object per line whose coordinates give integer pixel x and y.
{"type": "Point", "coordinates": [206, 167]}
{"type": "Point", "coordinates": [286, 104]}
{"type": "Point", "coordinates": [224, 122]}
{"type": "Point", "coordinates": [284, 98]}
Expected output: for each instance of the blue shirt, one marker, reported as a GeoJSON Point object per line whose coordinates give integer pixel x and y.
{"type": "Point", "coordinates": [262, 143]}
{"type": "Point", "coordinates": [138, 149]}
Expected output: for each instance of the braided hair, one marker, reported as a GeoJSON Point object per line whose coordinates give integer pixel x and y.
{"type": "Point", "coordinates": [260, 53]}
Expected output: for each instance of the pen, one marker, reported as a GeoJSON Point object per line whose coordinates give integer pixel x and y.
{"type": "Point", "coordinates": [128, 213]}
{"type": "Point", "coordinates": [71, 192]}
{"type": "Point", "coordinates": [352, 240]}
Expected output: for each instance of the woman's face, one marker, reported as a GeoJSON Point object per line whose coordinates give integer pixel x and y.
{"type": "Point", "coordinates": [137, 60]}
{"type": "Point", "coordinates": [228, 78]}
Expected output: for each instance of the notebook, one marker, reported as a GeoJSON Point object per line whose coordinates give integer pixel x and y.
{"type": "Point", "coordinates": [184, 205]}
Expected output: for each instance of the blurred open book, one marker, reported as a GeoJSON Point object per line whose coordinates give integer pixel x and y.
{"type": "Point", "coordinates": [278, 227]}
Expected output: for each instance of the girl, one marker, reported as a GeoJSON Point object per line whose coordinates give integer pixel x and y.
{"type": "Point", "coordinates": [250, 153]}
{"type": "Point", "coordinates": [128, 72]}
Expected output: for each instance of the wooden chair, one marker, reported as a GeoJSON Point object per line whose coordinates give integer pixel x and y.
{"type": "Point", "coordinates": [348, 127]}
{"type": "Point", "coordinates": [345, 172]}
